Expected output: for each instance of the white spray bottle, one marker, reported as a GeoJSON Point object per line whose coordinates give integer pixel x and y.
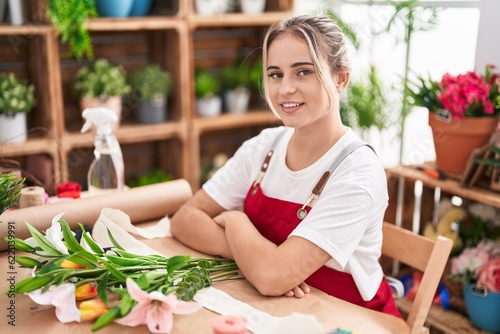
{"type": "Point", "coordinates": [107, 170]}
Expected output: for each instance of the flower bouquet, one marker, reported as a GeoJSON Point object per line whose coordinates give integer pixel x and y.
{"type": "Point", "coordinates": [85, 281]}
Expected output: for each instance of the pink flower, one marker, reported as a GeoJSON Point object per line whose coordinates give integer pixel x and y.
{"type": "Point", "coordinates": [155, 309]}
{"type": "Point", "coordinates": [488, 275]}
{"type": "Point", "coordinates": [62, 297]}
{"type": "Point", "coordinates": [472, 258]}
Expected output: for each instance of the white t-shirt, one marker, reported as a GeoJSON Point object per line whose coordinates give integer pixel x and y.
{"type": "Point", "coordinates": [345, 220]}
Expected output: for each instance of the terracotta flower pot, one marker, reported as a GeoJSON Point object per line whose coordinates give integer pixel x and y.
{"type": "Point", "coordinates": [112, 102]}
{"type": "Point", "coordinates": [454, 140]}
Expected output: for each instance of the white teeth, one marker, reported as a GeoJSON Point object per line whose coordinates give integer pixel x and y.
{"type": "Point", "coordinates": [290, 105]}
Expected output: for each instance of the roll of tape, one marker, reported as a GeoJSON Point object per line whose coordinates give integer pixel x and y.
{"type": "Point", "coordinates": [32, 196]}
{"type": "Point", "coordinates": [229, 325]}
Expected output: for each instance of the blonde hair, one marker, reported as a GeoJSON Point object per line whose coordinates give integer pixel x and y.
{"type": "Point", "coordinates": [326, 44]}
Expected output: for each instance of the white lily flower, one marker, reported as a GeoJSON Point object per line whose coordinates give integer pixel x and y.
{"type": "Point", "coordinates": [62, 297]}
{"type": "Point", "coordinates": [54, 235]}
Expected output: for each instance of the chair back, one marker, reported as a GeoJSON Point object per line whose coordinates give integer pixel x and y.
{"type": "Point", "coordinates": [423, 254]}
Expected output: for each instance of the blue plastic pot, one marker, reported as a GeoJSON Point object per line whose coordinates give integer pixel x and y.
{"type": "Point", "coordinates": [141, 7]}
{"type": "Point", "coordinates": [483, 308]}
{"type": "Point", "coordinates": [114, 8]}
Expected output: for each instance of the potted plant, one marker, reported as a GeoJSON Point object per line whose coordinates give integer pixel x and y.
{"type": "Point", "coordinates": [16, 100]}
{"type": "Point", "coordinates": [463, 113]}
{"type": "Point", "coordinates": [68, 17]}
{"type": "Point", "coordinates": [236, 82]}
{"type": "Point", "coordinates": [10, 190]}
{"type": "Point", "coordinates": [151, 86]}
{"type": "Point", "coordinates": [207, 88]}
{"type": "Point", "coordinates": [102, 84]}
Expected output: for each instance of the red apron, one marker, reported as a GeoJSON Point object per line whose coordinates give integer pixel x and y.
{"type": "Point", "coordinates": [276, 219]}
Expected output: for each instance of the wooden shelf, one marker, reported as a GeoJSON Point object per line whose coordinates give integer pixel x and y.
{"type": "Point", "coordinates": [230, 121]}
{"type": "Point", "coordinates": [31, 146]}
{"type": "Point", "coordinates": [28, 29]}
{"type": "Point", "coordinates": [237, 19]}
{"type": "Point", "coordinates": [444, 321]}
{"type": "Point", "coordinates": [134, 24]}
{"type": "Point", "coordinates": [452, 186]}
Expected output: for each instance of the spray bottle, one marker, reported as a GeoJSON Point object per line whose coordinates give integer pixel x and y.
{"type": "Point", "coordinates": [107, 170]}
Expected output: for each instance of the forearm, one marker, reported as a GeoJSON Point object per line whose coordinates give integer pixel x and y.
{"type": "Point", "coordinates": [259, 259]}
{"type": "Point", "coordinates": [196, 229]}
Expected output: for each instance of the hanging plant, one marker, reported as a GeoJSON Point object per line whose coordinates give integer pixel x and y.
{"type": "Point", "coordinates": [69, 18]}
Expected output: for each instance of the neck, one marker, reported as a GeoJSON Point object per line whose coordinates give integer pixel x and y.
{"type": "Point", "coordinates": [308, 145]}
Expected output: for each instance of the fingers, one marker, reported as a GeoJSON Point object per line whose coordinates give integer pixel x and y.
{"type": "Point", "coordinates": [299, 291]}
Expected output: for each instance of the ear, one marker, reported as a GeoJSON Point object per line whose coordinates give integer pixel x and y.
{"type": "Point", "coordinates": [342, 81]}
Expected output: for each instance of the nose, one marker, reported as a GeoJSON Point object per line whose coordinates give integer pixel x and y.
{"type": "Point", "coordinates": [287, 85]}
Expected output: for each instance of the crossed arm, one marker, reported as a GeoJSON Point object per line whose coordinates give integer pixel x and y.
{"type": "Point", "coordinates": [204, 225]}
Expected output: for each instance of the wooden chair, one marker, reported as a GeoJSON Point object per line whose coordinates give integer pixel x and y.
{"type": "Point", "coordinates": [423, 254]}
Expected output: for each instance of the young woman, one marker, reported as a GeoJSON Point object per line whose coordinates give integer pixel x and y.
{"type": "Point", "coordinates": [303, 202]}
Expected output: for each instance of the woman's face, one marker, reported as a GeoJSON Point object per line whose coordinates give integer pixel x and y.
{"type": "Point", "coordinates": [293, 85]}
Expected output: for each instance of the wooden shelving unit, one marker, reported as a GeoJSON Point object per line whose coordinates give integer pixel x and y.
{"type": "Point", "coordinates": [401, 185]}
{"type": "Point", "coordinates": [174, 37]}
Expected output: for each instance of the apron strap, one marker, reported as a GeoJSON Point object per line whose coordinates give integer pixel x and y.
{"type": "Point", "coordinates": [265, 164]}
{"type": "Point", "coordinates": [302, 212]}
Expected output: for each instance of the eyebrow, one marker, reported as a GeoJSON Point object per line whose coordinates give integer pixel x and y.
{"type": "Point", "coordinates": [293, 65]}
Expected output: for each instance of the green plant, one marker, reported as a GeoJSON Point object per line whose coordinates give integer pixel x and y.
{"type": "Point", "coordinates": [422, 92]}
{"type": "Point", "coordinates": [68, 18]}
{"type": "Point", "coordinates": [149, 82]}
{"type": "Point", "coordinates": [236, 75]}
{"type": "Point", "coordinates": [15, 95]}
{"type": "Point", "coordinates": [102, 78]}
{"type": "Point", "coordinates": [365, 102]}
{"type": "Point", "coordinates": [152, 177]}
{"type": "Point", "coordinates": [10, 191]}
{"type": "Point", "coordinates": [206, 83]}
{"type": "Point", "coordinates": [256, 75]}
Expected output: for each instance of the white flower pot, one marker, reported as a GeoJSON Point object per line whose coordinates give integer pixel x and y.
{"type": "Point", "coordinates": [211, 7]}
{"type": "Point", "coordinates": [209, 107]}
{"type": "Point", "coordinates": [237, 100]}
{"type": "Point", "coordinates": [13, 129]}
{"type": "Point", "coordinates": [16, 12]}
{"type": "Point", "coordinates": [252, 6]}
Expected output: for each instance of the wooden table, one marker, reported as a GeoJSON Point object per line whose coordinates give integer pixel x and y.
{"type": "Point", "coordinates": [330, 312]}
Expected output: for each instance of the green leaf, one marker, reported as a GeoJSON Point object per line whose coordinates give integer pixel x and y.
{"type": "Point", "coordinates": [69, 239]}
{"type": "Point", "coordinates": [21, 245]}
{"type": "Point", "coordinates": [105, 319]}
{"type": "Point", "coordinates": [102, 288]}
{"type": "Point", "coordinates": [113, 241]}
{"type": "Point", "coordinates": [92, 244]}
{"type": "Point", "coordinates": [126, 304]}
{"type": "Point", "coordinates": [28, 262]}
{"type": "Point", "coordinates": [176, 262]}
{"type": "Point", "coordinates": [84, 258]}
{"type": "Point", "coordinates": [115, 272]}
{"type": "Point", "coordinates": [33, 283]}
{"type": "Point", "coordinates": [43, 242]}
{"type": "Point", "coordinates": [123, 261]}
{"type": "Point", "coordinates": [142, 281]}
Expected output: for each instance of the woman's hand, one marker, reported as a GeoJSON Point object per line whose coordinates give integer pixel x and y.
{"type": "Point", "coordinates": [299, 292]}
{"type": "Point", "coordinates": [226, 216]}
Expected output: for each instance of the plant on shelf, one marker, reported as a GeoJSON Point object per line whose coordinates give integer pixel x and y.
{"type": "Point", "coordinates": [236, 81]}
{"type": "Point", "coordinates": [17, 98]}
{"type": "Point", "coordinates": [69, 18]}
{"type": "Point", "coordinates": [10, 190]}
{"type": "Point", "coordinates": [207, 89]}
{"type": "Point", "coordinates": [102, 84]}
{"type": "Point", "coordinates": [463, 113]}
{"type": "Point", "coordinates": [151, 86]}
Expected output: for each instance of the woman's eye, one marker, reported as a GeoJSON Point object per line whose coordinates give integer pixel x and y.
{"type": "Point", "coordinates": [274, 75]}
{"type": "Point", "coordinates": [304, 72]}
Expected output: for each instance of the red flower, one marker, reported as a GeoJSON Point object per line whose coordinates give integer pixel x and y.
{"type": "Point", "coordinates": [488, 275]}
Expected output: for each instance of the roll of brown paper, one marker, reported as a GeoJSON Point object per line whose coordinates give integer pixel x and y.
{"type": "Point", "coordinates": [141, 204]}
{"type": "Point", "coordinates": [32, 196]}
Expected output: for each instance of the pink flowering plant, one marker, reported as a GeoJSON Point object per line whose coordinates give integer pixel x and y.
{"type": "Point", "coordinates": [85, 282]}
{"type": "Point", "coordinates": [478, 265]}
{"type": "Point", "coordinates": [462, 96]}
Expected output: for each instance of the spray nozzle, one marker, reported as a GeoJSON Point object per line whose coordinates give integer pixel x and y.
{"type": "Point", "coordinates": [102, 118]}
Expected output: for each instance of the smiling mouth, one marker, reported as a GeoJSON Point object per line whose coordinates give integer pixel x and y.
{"type": "Point", "coordinates": [291, 105]}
